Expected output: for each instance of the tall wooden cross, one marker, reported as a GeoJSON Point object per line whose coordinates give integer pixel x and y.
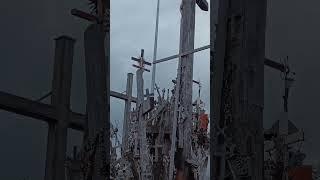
{"type": "Point", "coordinates": [58, 115]}
{"type": "Point", "coordinates": [183, 92]}
{"type": "Point", "coordinates": [145, 163]}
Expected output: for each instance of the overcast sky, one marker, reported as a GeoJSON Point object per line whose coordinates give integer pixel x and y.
{"type": "Point", "coordinates": [26, 51]}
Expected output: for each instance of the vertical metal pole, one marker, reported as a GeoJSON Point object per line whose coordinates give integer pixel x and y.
{"type": "Point", "coordinates": [155, 52]}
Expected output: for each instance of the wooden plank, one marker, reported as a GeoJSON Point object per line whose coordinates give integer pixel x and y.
{"type": "Point", "coordinates": [122, 96]}
{"type": "Point", "coordinates": [144, 161]}
{"type": "Point", "coordinates": [274, 65]}
{"type": "Point", "coordinates": [97, 101]}
{"type": "Point", "coordinates": [218, 160]}
{"type": "Point", "coordinates": [26, 107]}
{"type": "Point", "coordinates": [141, 68]}
{"type": "Point", "coordinates": [136, 59]}
{"type": "Point", "coordinates": [60, 100]}
{"type": "Point", "coordinates": [127, 109]}
{"type": "Point", "coordinates": [187, 29]}
{"type": "Point", "coordinates": [181, 54]}
{"type": "Point", "coordinates": [84, 15]}
{"type": "Point", "coordinates": [139, 60]}
{"type": "Point", "coordinates": [37, 110]}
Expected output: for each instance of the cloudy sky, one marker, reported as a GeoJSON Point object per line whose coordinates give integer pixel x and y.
{"type": "Point", "coordinates": [26, 51]}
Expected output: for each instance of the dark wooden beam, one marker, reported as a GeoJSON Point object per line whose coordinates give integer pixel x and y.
{"type": "Point", "coordinates": [274, 65]}
{"type": "Point", "coordinates": [84, 15]}
{"type": "Point", "coordinates": [37, 110]}
{"type": "Point", "coordinates": [122, 96]}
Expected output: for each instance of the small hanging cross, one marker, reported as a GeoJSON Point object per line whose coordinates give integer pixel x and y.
{"type": "Point", "coordinates": [141, 62]}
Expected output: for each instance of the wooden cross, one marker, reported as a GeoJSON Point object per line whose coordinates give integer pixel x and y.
{"type": "Point", "coordinates": [127, 110]}
{"type": "Point", "coordinates": [142, 108]}
{"type": "Point", "coordinates": [141, 62]}
{"type": "Point", "coordinates": [183, 92]}
{"type": "Point", "coordinates": [58, 115]}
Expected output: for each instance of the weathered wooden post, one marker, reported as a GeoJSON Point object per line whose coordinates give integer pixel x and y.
{"type": "Point", "coordinates": [97, 99]}
{"type": "Point", "coordinates": [238, 76]}
{"type": "Point", "coordinates": [217, 145]}
{"type": "Point", "coordinates": [184, 86]}
{"type": "Point", "coordinates": [127, 109]}
{"type": "Point", "coordinates": [144, 158]}
{"type": "Point", "coordinates": [60, 99]}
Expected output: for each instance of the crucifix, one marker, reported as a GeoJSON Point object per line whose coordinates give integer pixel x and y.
{"type": "Point", "coordinates": [284, 137]}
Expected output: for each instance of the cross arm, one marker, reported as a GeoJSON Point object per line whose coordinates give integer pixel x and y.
{"type": "Point", "coordinates": [84, 15]}
{"type": "Point", "coordinates": [37, 110]}
{"type": "Point", "coordinates": [181, 54]}
{"type": "Point", "coordinates": [138, 60]}
{"type": "Point", "coordinates": [139, 67]}
{"type": "Point", "coordinates": [274, 65]}
{"type": "Point", "coordinates": [122, 96]}
{"type": "Point", "coordinates": [203, 5]}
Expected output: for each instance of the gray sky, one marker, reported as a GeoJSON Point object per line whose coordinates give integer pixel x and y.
{"type": "Point", "coordinates": [26, 52]}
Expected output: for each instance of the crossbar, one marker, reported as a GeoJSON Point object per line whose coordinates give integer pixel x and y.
{"type": "Point", "coordinates": [122, 96]}
{"type": "Point", "coordinates": [182, 54]}
{"type": "Point", "coordinates": [37, 110]}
